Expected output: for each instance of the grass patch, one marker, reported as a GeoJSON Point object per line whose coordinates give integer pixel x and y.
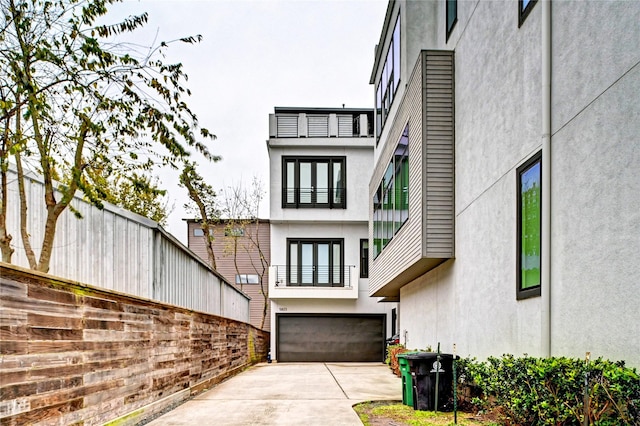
{"type": "Point", "coordinates": [381, 413]}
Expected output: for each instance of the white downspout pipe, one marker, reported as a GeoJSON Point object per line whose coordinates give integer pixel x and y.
{"type": "Point", "coordinates": [546, 181]}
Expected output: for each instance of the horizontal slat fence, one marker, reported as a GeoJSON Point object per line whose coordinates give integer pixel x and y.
{"type": "Point", "coordinates": [76, 354]}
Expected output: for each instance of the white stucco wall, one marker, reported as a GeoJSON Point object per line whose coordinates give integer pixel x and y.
{"type": "Point", "coordinates": [595, 201]}
{"type": "Point", "coordinates": [358, 166]}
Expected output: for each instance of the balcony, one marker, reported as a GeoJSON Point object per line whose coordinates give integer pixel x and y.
{"type": "Point", "coordinates": [332, 198]}
{"type": "Point", "coordinates": [313, 282]}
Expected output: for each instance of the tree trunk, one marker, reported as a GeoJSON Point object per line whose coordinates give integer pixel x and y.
{"type": "Point", "coordinates": [24, 233]}
{"type": "Point", "coordinates": [5, 238]}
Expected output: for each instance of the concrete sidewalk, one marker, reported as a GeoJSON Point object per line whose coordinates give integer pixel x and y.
{"type": "Point", "coordinates": [289, 394]}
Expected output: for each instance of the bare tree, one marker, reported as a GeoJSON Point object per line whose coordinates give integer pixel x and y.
{"type": "Point", "coordinates": [240, 210]}
{"type": "Point", "coordinates": [204, 204]}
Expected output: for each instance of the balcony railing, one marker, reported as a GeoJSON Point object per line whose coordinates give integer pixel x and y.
{"type": "Point", "coordinates": [313, 276]}
{"type": "Point", "coordinates": [314, 197]}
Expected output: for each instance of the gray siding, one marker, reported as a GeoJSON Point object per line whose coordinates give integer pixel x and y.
{"type": "Point", "coordinates": [406, 246]}
{"type": "Point", "coordinates": [427, 238]}
{"type": "Point", "coordinates": [438, 153]}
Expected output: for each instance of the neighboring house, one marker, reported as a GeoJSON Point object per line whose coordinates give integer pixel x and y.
{"type": "Point", "coordinates": [505, 200]}
{"type": "Point", "coordinates": [320, 163]}
{"type": "Point", "coordinates": [237, 245]}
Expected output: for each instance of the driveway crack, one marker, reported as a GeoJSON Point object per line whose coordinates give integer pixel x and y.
{"type": "Point", "coordinates": [336, 380]}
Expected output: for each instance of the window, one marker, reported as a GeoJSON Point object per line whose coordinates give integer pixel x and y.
{"type": "Point", "coordinates": [452, 15]}
{"type": "Point", "coordinates": [317, 262]}
{"type": "Point", "coordinates": [529, 183]}
{"type": "Point", "coordinates": [389, 79]}
{"type": "Point", "coordinates": [314, 182]}
{"type": "Point", "coordinates": [364, 258]}
{"type": "Point", "coordinates": [198, 232]}
{"type": "Point", "coordinates": [391, 200]}
{"type": "Point", "coordinates": [247, 279]}
{"type": "Point", "coordinates": [524, 8]}
{"type": "Point", "coordinates": [234, 232]}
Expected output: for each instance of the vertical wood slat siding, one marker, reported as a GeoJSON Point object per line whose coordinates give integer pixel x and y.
{"type": "Point", "coordinates": [406, 246]}
{"type": "Point", "coordinates": [439, 168]}
{"type": "Point", "coordinates": [121, 251]}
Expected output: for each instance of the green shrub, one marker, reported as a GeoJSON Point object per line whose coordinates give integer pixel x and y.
{"type": "Point", "coordinates": [551, 391]}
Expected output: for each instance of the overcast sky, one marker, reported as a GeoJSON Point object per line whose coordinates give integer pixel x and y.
{"type": "Point", "coordinates": [256, 55]}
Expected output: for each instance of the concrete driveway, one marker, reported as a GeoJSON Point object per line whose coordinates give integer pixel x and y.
{"type": "Point", "coordinates": [289, 394]}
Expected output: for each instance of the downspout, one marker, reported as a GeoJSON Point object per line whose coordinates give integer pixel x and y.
{"type": "Point", "coordinates": [546, 181]}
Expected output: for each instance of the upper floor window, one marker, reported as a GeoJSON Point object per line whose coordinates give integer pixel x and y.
{"type": "Point", "coordinates": [452, 15]}
{"type": "Point", "coordinates": [314, 182]}
{"type": "Point", "coordinates": [524, 8]}
{"type": "Point", "coordinates": [315, 262]}
{"type": "Point", "coordinates": [391, 200]}
{"type": "Point", "coordinates": [529, 182]}
{"type": "Point", "coordinates": [389, 79]}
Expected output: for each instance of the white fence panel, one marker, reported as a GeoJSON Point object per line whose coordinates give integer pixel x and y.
{"type": "Point", "coordinates": [122, 251]}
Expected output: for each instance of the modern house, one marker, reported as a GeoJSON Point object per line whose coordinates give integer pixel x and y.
{"type": "Point", "coordinates": [504, 202]}
{"type": "Point", "coordinates": [242, 256]}
{"type": "Point", "coordinates": [320, 163]}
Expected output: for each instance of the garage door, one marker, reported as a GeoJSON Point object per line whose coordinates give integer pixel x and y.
{"type": "Point", "coordinates": [330, 338]}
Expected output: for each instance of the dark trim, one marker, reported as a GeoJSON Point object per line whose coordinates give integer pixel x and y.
{"type": "Point", "coordinates": [298, 110]}
{"type": "Point", "coordinates": [364, 267]}
{"type": "Point", "coordinates": [315, 241]}
{"type": "Point", "coordinates": [314, 160]}
{"type": "Point", "coordinates": [449, 29]}
{"type": "Point", "coordinates": [522, 294]}
{"type": "Point", "coordinates": [523, 13]}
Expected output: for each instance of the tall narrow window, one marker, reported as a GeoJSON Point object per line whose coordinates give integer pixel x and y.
{"type": "Point", "coordinates": [452, 15]}
{"type": "Point", "coordinates": [524, 8]}
{"type": "Point", "coordinates": [364, 258]}
{"type": "Point", "coordinates": [314, 182]}
{"type": "Point", "coordinates": [391, 200]}
{"type": "Point", "coordinates": [529, 183]}
{"type": "Point", "coordinates": [389, 79]}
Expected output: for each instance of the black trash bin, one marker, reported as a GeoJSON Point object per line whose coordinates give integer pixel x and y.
{"type": "Point", "coordinates": [423, 367]}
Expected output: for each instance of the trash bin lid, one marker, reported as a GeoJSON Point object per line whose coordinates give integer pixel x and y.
{"type": "Point", "coordinates": [424, 356]}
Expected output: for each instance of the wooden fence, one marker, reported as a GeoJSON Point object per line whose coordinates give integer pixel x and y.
{"type": "Point", "coordinates": [77, 354]}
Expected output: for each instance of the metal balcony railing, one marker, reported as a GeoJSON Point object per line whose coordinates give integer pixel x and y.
{"type": "Point", "coordinates": [313, 276]}
{"type": "Point", "coordinates": [314, 197]}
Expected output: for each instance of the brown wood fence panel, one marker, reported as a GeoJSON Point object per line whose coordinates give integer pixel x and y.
{"type": "Point", "coordinates": [75, 354]}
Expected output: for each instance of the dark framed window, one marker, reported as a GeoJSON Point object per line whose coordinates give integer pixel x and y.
{"type": "Point", "coordinates": [314, 182]}
{"type": "Point", "coordinates": [389, 79]}
{"type": "Point", "coordinates": [452, 15]}
{"type": "Point", "coordinates": [364, 258]}
{"type": "Point", "coordinates": [529, 200]}
{"type": "Point", "coordinates": [524, 8]}
{"type": "Point", "coordinates": [315, 262]}
{"type": "Point", "coordinates": [391, 199]}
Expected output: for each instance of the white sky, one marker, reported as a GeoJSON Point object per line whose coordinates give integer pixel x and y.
{"type": "Point", "coordinates": [256, 55]}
